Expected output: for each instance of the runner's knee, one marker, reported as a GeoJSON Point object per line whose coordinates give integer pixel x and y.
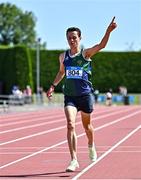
{"type": "Point", "coordinates": [70, 126]}
{"type": "Point", "coordinates": [88, 127]}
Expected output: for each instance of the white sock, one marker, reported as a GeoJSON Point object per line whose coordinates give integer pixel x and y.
{"type": "Point", "coordinates": [91, 145]}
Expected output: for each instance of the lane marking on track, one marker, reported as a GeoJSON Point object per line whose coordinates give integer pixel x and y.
{"type": "Point", "coordinates": [66, 147]}
{"type": "Point", "coordinates": [37, 118]}
{"type": "Point", "coordinates": [33, 154]}
{"type": "Point", "coordinates": [33, 135]}
{"type": "Point", "coordinates": [48, 131]}
{"type": "Point", "coordinates": [106, 153]}
{"type": "Point", "coordinates": [63, 152]}
{"type": "Point", "coordinates": [31, 120]}
{"type": "Point", "coordinates": [31, 126]}
{"type": "Point", "coordinates": [63, 142]}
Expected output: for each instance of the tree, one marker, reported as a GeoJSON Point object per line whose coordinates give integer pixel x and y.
{"type": "Point", "coordinates": [16, 26]}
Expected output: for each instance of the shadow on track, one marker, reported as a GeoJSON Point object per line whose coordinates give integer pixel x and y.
{"type": "Point", "coordinates": [61, 174]}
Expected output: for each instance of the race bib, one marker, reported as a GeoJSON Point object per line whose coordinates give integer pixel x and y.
{"type": "Point", "coordinates": [74, 72]}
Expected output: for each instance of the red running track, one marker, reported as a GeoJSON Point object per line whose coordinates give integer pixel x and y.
{"type": "Point", "coordinates": [33, 145]}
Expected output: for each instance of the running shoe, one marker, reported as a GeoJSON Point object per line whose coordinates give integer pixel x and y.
{"type": "Point", "coordinates": [92, 154]}
{"type": "Point", "coordinates": [73, 165]}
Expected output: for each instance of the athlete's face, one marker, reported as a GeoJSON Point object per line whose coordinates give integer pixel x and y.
{"type": "Point", "coordinates": [73, 39]}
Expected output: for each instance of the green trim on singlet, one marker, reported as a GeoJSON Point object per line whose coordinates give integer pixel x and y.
{"type": "Point", "coordinates": [74, 86]}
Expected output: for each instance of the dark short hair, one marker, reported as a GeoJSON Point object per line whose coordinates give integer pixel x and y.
{"type": "Point", "coordinates": [70, 29]}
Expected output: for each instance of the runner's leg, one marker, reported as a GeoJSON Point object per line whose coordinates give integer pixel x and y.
{"type": "Point", "coordinates": [71, 113]}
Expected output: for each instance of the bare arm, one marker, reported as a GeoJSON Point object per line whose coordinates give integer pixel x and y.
{"type": "Point", "coordinates": [61, 71]}
{"type": "Point", "coordinates": [58, 77]}
{"type": "Point", "coordinates": [88, 53]}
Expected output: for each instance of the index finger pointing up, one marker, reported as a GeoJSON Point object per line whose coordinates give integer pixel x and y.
{"type": "Point", "coordinates": [113, 19]}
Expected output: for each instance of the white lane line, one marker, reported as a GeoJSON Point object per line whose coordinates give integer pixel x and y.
{"type": "Point", "coordinates": [48, 131]}
{"type": "Point", "coordinates": [37, 118]}
{"type": "Point", "coordinates": [66, 147]}
{"type": "Point", "coordinates": [113, 122]}
{"type": "Point", "coordinates": [106, 153]}
{"type": "Point", "coordinates": [31, 126]}
{"type": "Point", "coordinates": [51, 122]}
{"type": "Point", "coordinates": [58, 144]}
{"type": "Point", "coordinates": [28, 120]}
{"type": "Point", "coordinates": [40, 118]}
{"type": "Point", "coordinates": [62, 127]}
{"type": "Point", "coordinates": [63, 152]}
{"type": "Point", "coordinates": [33, 135]}
{"type": "Point", "coordinates": [33, 154]}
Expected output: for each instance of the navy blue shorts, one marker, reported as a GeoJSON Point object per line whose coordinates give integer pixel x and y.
{"type": "Point", "coordinates": [83, 103]}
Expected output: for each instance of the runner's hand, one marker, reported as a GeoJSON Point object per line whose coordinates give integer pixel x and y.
{"type": "Point", "coordinates": [112, 25]}
{"type": "Point", "coordinates": [50, 92]}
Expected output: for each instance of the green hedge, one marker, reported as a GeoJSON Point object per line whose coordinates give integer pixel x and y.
{"type": "Point", "coordinates": [113, 69]}
{"type": "Point", "coordinates": [49, 66]}
{"type": "Point", "coordinates": [110, 69]}
{"type": "Point", "coordinates": [15, 68]}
